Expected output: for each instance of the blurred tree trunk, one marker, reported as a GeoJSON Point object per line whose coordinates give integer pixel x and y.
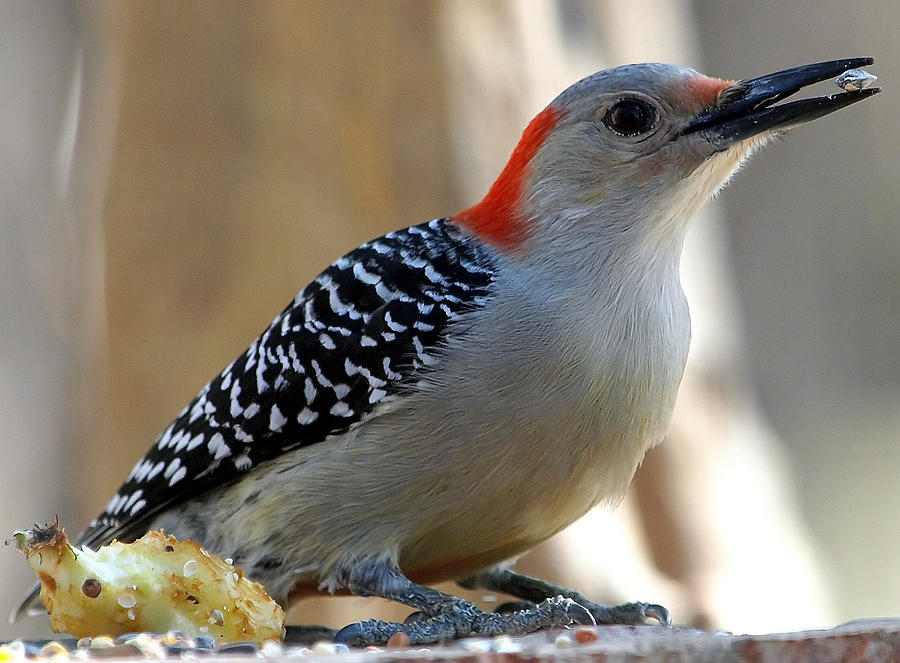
{"type": "Point", "coordinates": [52, 170]}
{"type": "Point", "coordinates": [256, 142]}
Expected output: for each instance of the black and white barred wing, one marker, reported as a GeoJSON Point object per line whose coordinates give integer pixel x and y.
{"type": "Point", "coordinates": [343, 349]}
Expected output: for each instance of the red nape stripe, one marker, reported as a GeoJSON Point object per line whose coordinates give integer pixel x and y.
{"type": "Point", "coordinates": [498, 217]}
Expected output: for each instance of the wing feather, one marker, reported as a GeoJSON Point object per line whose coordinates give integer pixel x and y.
{"type": "Point", "coordinates": [340, 352]}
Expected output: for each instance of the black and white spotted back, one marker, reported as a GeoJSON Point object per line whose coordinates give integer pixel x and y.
{"type": "Point", "coordinates": [345, 347]}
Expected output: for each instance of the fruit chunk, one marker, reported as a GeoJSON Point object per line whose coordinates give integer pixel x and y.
{"type": "Point", "coordinates": [155, 584]}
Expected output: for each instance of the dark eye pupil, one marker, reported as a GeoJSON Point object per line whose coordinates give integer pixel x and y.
{"type": "Point", "coordinates": [629, 117]}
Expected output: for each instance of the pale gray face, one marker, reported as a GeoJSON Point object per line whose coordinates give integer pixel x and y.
{"type": "Point", "coordinates": [634, 140]}
{"type": "Point", "coordinates": [635, 110]}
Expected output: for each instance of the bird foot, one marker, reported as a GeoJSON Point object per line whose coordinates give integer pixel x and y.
{"type": "Point", "coordinates": [459, 619]}
{"type": "Point", "coordinates": [626, 614]}
{"type": "Point", "coordinates": [629, 613]}
{"type": "Point", "coordinates": [507, 581]}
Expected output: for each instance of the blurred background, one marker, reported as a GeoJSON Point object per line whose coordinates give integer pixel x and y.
{"type": "Point", "coordinates": [172, 173]}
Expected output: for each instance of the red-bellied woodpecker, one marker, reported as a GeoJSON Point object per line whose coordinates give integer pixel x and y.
{"type": "Point", "coordinates": [445, 397]}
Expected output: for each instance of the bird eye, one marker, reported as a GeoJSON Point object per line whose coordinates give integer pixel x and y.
{"type": "Point", "coordinates": [630, 117]}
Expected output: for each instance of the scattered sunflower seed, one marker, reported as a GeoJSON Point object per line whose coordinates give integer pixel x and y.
{"type": "Point", "coordinates": [855, 80]}
{"type": "Point", "coordinates": [239, 648]}
{"type": "Point", "coordinates": [12, 651]}
{"type": "Point", "coordinates": [53, 649]}
{"type": "Point", "coordinates": [563, 642]}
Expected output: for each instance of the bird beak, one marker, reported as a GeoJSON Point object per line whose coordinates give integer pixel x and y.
{"type": "Point", "coordinates": [748, 108]}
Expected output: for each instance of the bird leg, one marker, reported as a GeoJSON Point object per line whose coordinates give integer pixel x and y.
{"type": "Point", "coordinates": [444, 617]}
{"type": "Point", "coordinates": [524, 587]}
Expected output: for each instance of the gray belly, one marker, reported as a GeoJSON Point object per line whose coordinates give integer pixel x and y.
{"type": "Point", "coordinates": [481, 462]}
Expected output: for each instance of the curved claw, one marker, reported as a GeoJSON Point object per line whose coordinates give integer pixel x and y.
{"type": "Point", "coordinates": [414, 617]}
{"type": "Point", "coordinates": [581, 615]}
{"type": "Point", "coordinates": [352, 635]}
{"type": "Point", "coordinates": [659, 613]}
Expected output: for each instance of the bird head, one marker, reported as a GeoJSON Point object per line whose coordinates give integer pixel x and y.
{"type": "Point", "coordinates": [627, 154]}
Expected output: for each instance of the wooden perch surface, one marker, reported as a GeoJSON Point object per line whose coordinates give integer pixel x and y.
{"type": "Point", "coordinates": [862, 641]}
